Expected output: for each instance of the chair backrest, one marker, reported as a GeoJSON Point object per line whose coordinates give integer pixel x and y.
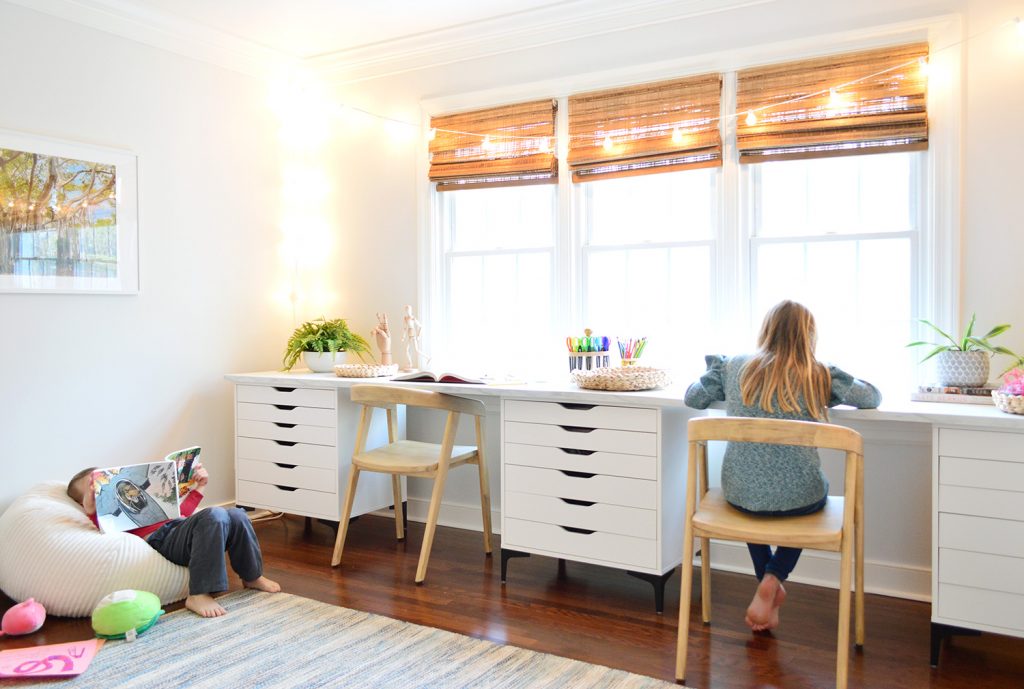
{"type": "Point", "coordinates": [389, 395]}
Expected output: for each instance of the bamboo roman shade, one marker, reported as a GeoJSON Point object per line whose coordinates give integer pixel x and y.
{"type": "Point", "coordinates": [660, 127]}
{"type": "Point", "coordinates": [866, 102]}
{"type": "Point", "coordinates": [512, 144]}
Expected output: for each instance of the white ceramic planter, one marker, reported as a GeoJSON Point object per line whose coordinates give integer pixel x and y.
{"type": "Point", "coordinates": [323, 362]}
{"type": "Point", "coordinates": [962, 369]}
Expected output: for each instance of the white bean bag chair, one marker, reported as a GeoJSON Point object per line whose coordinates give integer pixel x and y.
{"type": "Point", "coordinates": [51, 551]}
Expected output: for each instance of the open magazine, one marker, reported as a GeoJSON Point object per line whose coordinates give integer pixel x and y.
{"type": "Point", "coordinates": [137, 495]}
{"type": "Point", "coordinates": [431, 377]}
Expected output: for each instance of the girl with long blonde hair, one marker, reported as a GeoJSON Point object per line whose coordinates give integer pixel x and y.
{"type": "Point", "coordinates": [782, 380]}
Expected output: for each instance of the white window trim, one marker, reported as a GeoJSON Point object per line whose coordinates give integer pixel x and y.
{"type": "Point", "coordinates": [937, 286]}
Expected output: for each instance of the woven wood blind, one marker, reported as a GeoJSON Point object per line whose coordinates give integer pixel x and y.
{"type": "Point", "coordinates": [660, 127]}
{"type": "Point", "coordinates": [518, 149]}
{"type": "Point", "coordinates": [879, 105]}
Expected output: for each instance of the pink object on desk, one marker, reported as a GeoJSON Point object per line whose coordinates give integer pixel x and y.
{"type": "Point", "coordinates": [23, 618]}
{"type": "Point", "coordinates": [55, 660]}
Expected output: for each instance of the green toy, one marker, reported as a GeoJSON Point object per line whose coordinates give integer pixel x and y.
{"type": "Point", "coordinates": [125, 614]}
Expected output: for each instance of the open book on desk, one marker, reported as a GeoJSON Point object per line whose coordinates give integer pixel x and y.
{"type": "Point", "coordinates": [431, 377]}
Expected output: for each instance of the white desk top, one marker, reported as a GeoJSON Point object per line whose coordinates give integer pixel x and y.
{"type": "Point", "coordinates": [940, 414]}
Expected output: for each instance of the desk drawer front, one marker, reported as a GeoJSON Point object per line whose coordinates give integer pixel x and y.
{"type": "Point", "coordinates": [623, 550]}
{"type": "Point", "coordinates": [301, 454]}
{"type": "Point", "coordinates": [626, 521]}
{"type": "Point", "coordinates": [296, 397]}
{"type": "Point", "coordinates": [581, 438]}
{"type": "Point", "coordinates": [267, 430]}
{"type": "Point", "coordinates": [981, 473]}
{"type": "Point", "coordinates": [981, 607]}
{"type": "Point", "coordinates": [309, 416]}
{"type": "Point", "coordinates": [955, 442]}
{"type": "Point", "coordinates": [981, 502]}
{"type": "Point", "coordinates": [981, 535]}
{"type": "Point", "coordinates": [610, 463]}
{"type": "Point", "coordinates": [295, 501]}
{"type": "Point", "coordinates": [981, 571]}
{"type": "Point", "coordinates": [291, 475]}
{"type": "Point", "coordinates": [612, 490]}
{"type": "Point", "coordinates": [587, 415]}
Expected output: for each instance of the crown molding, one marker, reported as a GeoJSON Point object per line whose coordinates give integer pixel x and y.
{"type": "Point", "coordinates": [565, 21]}
{"type": "Point", "coordinates": [165, 31]}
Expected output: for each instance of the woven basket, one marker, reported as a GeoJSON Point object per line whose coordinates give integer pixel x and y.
{"type": "Point", "coordinates": [365, 370]}
{"type": "Point", "coordinates": [631, 378]}
{"type": "Point", "coordinates": [1011, 404]}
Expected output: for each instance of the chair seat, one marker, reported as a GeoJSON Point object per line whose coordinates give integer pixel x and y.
{"type": "Point", "coordinates": [716, 518]}
{"type": "Point", "coordinates": [410, 457]}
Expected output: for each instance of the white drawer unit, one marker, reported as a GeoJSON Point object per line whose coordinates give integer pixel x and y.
{"type": "Point", "coordinates": [293, 448]}
{"type": "Point", "coordinates": [596, 483]}
{"type": "Point", "coordinates": [978, 533]}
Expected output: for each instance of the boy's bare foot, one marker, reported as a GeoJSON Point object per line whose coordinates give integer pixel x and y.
{"type": "Point", "coordinates": [763, 611]}
{"type": "Point", "coordinates": [204, 605]}
{"type": "Point", "coordinates": [263, 584]}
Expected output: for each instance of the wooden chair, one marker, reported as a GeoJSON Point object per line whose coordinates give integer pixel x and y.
{"type": "Point", "coordinates": [838, 527]}
{"type": "Point", "coordinates": [412, 458]}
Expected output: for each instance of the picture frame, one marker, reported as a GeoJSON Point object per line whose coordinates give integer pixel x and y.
{"type": "Point", "coordinates": [68, 217]}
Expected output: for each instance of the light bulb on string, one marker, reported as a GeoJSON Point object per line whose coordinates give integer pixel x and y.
{"type": "Point", "coordinates": [486, 144]}
{"type": "Point", "coordinates": [608, 144]}
{"type": "Point", "coordinates": [751, 118]}
{"type": "Point", "coordinates": [544, 145]}
{"type": "Point", "coordinates": [922, 65]}
{"type": "Point", "coordinates": [677, 136]}
{"type": "Point", "coordinates": [432, 134]}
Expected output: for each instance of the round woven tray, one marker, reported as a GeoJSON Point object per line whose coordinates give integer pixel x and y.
{"type": "Point", "coordinates": [628, 378]}
{"type": "Point", "coordinates": [365, 370]}
{"type": "Point", "coordinates": [1011, 404]}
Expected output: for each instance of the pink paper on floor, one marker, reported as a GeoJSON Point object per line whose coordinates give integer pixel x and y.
{"type": "Point", "coordinates": [55, 660]}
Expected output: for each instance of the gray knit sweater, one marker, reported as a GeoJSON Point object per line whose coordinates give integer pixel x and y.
{"type": "Point", "coordinates": [769, 478]}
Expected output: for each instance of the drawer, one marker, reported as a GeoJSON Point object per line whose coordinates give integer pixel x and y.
{"type": "Point", "coordinates": [295, 397]}
{"type": "Point", "coordinates": [981, 473]}
{"type": "Point", "coordinates": [291, 475]}
{"type": "Point", "coordinates": [993, 608]}
{"type": "Point", "coordinates": [956, 442]}
{"type": "Point", "coordinates": [319, 435]}
{"type": "Point", "coordinates": [302, 454]}
{"type": "Point", "coordinates": [612, 490]}
{"type": "Point", "coordinates": [981, 535]}
{"type": "Point", "coordinates": [309, 416]}
{"type": "Point", "coordinates": [588, 415]}
{"type": "Point", "coordinates": [556, 540]}
{"type": "Point", "coordinates": [582, 438]}
{"type": "Point", "coordinates": [592, 461]}
{"type": "Point", "coordinates": [594, 516]}
{"type": "Point", "coordinates": [981, 502]}
{"type": "Point", "coordinates": [294, 501]}
{"type": "Point", "coordinates": [979, 570]}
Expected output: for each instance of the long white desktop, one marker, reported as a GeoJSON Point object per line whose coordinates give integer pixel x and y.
{"type": "Point", "coordinates": [599, 477]}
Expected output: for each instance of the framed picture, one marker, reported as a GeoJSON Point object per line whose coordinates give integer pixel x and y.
{"type": "Point", "coordinates": [68, 217]}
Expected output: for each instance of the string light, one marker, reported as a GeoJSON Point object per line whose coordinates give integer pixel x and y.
{"type": "Point", "coordinates": [432, 134]}
{"type": "Point", "coordinates": [486, 144]}
{"type": "Point", "coordinates": [544, 145]}
{"type": "Point", "coordinates": [751, 118]}
{"type": "Point", "coordinates": [677, 136]}
{"type": "Point", "coordinates": [922, 64]}
{"type": "Point", "coordinates": [608, 144]}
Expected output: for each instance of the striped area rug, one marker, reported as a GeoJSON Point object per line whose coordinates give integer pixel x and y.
{"type": "Point", "coordinates": [280, 640]}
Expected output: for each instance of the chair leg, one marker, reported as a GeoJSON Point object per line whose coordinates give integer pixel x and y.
{"type": "Point", "coordinates": [485, 485]}
{"type": "Point", "coordinates": [843, 642]}
{"type": "Point", "coordinates": [428, 534]}
{"type": "Point", "coordinates": [396, 490]}
{"type": "Point", "coordinates": [858, 560]}
{"type": "Point", "coordinates": [683, 640]}
{"type": "Point", "coordinates": [705, 579]}
{"type": "Point", "coordinates": [346, 512]}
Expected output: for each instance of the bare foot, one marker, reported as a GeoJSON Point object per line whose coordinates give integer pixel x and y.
{"type": "Point", "coordinates": [204, 605]}
{"type": "Point", "coordinates": [263, 584]}
{"type": "Point", "coordinates": [763, 611]}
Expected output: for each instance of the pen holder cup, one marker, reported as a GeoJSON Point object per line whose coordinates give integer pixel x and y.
{"type": "Point", "coordinates": [588, 361]}
{"type": "Point", "coordinates": [629, 362]}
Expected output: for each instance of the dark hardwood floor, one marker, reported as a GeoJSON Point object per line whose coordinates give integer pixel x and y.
{"type": "Point", "coordinates": [603, 616]}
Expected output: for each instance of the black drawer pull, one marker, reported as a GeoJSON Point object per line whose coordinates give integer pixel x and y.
{"type": "Point", "coordinates": [576, 429]}
{"type": "Point", "coordinates": [574, 451]}
{"type": "Point", "coordinates": [286, 443]}
{"type": "Point", "coordinates": [285, 425]}
{"type": "Point", "coordinates": [285, 488]}
{"type": "Point", "coordinates": [580, 503]}
{"type": "Point", "coordinates": [573, 529]}
{"type": "Point", "coordinates": [284, 389]}
{"type": "Point", "coordinates": [577, 407]}
{"type": "Point", "coordinates": [284, 407]}
{"type": "Point", "coordinates": [286, 466]}
{"type": "Point", "coordinates": [577, 474]}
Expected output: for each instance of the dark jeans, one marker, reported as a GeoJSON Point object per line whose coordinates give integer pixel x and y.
{"type": "Point", "coordinates": [780, 563]}
{"type": "Point", "coordinates": [199, 542]}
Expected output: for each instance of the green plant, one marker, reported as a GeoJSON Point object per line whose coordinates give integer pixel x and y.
{"type": "Point", "coordinates": [968, 343]}
{"type": "Point", "coordinates": [322, 335]}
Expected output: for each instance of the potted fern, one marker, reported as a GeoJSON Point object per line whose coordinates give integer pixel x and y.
{"type": "Point", "coordinates": [963, 362]}
{"type": "Point", "coordinates": [323, 343]}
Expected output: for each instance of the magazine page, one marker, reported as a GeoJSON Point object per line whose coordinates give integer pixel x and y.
{"type": "Point", "coordinates": [186, 461]}
{"type": "Point", "coordinates": [138, 495]}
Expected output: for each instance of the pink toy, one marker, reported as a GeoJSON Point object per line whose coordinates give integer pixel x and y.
{"type": "Point", "coordinates": [23, 618]}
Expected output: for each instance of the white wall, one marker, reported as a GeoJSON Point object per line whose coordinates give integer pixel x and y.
{"type": "Point", "coordinates": [103, 380]}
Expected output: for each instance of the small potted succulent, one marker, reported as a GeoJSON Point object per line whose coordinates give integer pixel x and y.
{"type": "Point", "coordinates": [963, 362]}
{"type": "Point", "coordinates": [322, 344]}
